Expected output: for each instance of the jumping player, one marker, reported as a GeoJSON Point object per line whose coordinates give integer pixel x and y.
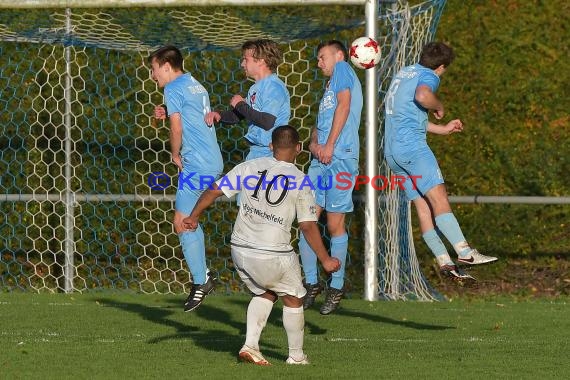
{"type": "Point", "coordinates": [409, 98]}
{"type": "Point", "coordinates": [196, 153]}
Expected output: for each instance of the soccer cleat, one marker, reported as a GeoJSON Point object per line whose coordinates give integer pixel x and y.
{"type": "Point", "coordinates": [198, 293]}
{"type": "Point", "coordinates": [303, 360]}
{"type": "Point", "coordinates": [476, 258]}
{"type": "Point", "coordinates": [456, 274]}
{"type": "Point", "coordinates": [332, 300]}
{"type": "Point", "coordinates": [312, 292]}
{"type": "Point", "coordinates": [250, 355]}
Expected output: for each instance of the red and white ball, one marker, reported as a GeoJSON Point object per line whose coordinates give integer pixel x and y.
{"type": "Point", "coordinates": [365, 52]}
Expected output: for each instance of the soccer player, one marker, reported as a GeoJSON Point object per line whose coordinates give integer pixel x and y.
{"type": "Point", "coordinates": [272, 195]}
{"type": "Point", "coordinates": [195, 152]}
{"type": "Point", "coordinates": [335, 148]}
{"type": "Point", "coordinates": [409, 98]}
{"type": "Point", "coordinates": [267, 104]}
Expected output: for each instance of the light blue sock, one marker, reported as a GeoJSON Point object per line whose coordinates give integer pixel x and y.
{"type": "Point", "coordinates": [308, 260]}
{"type": "Point", "coordinates": [437, 247]}
{"type": "Point", "coordinates": [449, 226]}
{"type": "Point", "coordinates": [339, 249]}
{"type": "Point", "coordinates": [194, 250]}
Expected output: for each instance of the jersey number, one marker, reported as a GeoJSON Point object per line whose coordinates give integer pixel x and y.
{"type": "Point", "coordinates": [270, 187]}
{"type": "Point", "coordinates": [390, 96]}
{"type": "Point", "coordinates": [206, 105]}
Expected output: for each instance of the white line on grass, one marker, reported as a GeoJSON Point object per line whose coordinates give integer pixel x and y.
{"type": "Point", "coordinates": [346, 340]}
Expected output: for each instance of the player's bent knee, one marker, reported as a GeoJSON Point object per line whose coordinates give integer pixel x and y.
{"type": "Point", "coordinates": [269, 295]}
{"type": "Point", "coordinates": [335, 223]}
{"type": "Point", "coordinates": [291, 301]}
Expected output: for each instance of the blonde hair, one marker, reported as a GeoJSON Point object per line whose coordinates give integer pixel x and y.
{"type": "Point", "coordinates": [265, 49]}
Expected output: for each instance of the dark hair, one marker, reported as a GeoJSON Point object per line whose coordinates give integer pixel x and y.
{"type": "Point", "coordinates": [284, 136]}
{"type": "Point", "coordinates": [169, 54]}
{"type": "Point", "coordinates": [436, 54]}
{"type": "Point", "coordinates": [337, 45]}
{"type": "Point", "coordinates": [265, 49]}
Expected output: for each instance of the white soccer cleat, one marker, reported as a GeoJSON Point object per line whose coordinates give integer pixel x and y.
{"type": "Point", "coordinates": [475, 257]}
{"type": "Point", "coordinates": [304, 360]}
{"type": "Point", "coordinates": [250, 355]}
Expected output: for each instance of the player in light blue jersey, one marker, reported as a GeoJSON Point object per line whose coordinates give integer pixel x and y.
{"type": "Point", "coordinates": [335, 148]}
{"type": "Point", "coordinates": [267, 105]}
{"type": "Point", "coordinates": [196, 153]}
{"type": "Point", "coordinates": [409, 98]}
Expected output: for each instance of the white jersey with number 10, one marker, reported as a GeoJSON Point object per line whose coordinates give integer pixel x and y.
{"type": "Point", "coordinates": [269, 202]}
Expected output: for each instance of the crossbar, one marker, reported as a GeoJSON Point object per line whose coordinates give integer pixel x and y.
{"type": "Point", "coordinates": [36, 4]}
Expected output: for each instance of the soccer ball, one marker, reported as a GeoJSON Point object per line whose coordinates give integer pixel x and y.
{"type": "Point", "coordinates": [364, 52]}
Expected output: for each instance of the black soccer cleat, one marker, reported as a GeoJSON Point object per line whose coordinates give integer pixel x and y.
{"type": "Point", "coordinates": [312, 292]}
{"type": "Point", "coordinates": [198, 293]}
{"type": "Point", "coordinates": [456, 274]}
{"type": "Point", "coordinates": [332, 300]}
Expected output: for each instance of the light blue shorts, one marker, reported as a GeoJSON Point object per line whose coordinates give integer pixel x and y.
{"type": "Point", "coordinates": [420, 171]}
{"type": "Point", "coordinates": [190, 186]}
{"type": "Point", "coordinates": [330, 194]}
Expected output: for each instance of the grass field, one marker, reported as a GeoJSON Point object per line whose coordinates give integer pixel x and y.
{"type": "Point", "coordinates": [124, 335]}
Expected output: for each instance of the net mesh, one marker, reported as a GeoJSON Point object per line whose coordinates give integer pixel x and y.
{"type": "Point", "coordinates": [78, 143]}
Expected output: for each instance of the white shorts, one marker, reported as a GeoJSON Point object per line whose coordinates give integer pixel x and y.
{"type": "Point", "coordinates": [262, 271]}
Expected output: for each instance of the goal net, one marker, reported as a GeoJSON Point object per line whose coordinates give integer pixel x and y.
{"type": "Point", "coordinates": [79, 146]}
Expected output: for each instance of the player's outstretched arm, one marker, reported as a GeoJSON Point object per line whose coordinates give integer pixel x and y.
{"type": "Point", "coordinates": [230, 117]}
{"type": "Point", "coordinates": [264, 120]}
{"type": "Point", "coordinates": [313, 237]}
{"type": "Point", "coordinates": [206, 199]}
{"type": "Point", "coordinates": [447, 129]}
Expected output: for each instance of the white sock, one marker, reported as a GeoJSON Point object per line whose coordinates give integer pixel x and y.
{"type": "Point", "coordinates": [294, 323]}
{"type": "Point", "coordinates": [444, 260]}
{"type": "Point", "coordinates": [257, 314]}
{"type": "Point", "coordinates": [462, 248]}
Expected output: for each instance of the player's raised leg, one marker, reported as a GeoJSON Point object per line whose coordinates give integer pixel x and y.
{"type": "Point", "coordinates": [448, 225]}
{"type": "Point", "coordinates": [435, 244]}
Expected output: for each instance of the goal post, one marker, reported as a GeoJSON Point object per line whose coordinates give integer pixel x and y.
{"type": "Point", "coordinates": [79, 143]}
